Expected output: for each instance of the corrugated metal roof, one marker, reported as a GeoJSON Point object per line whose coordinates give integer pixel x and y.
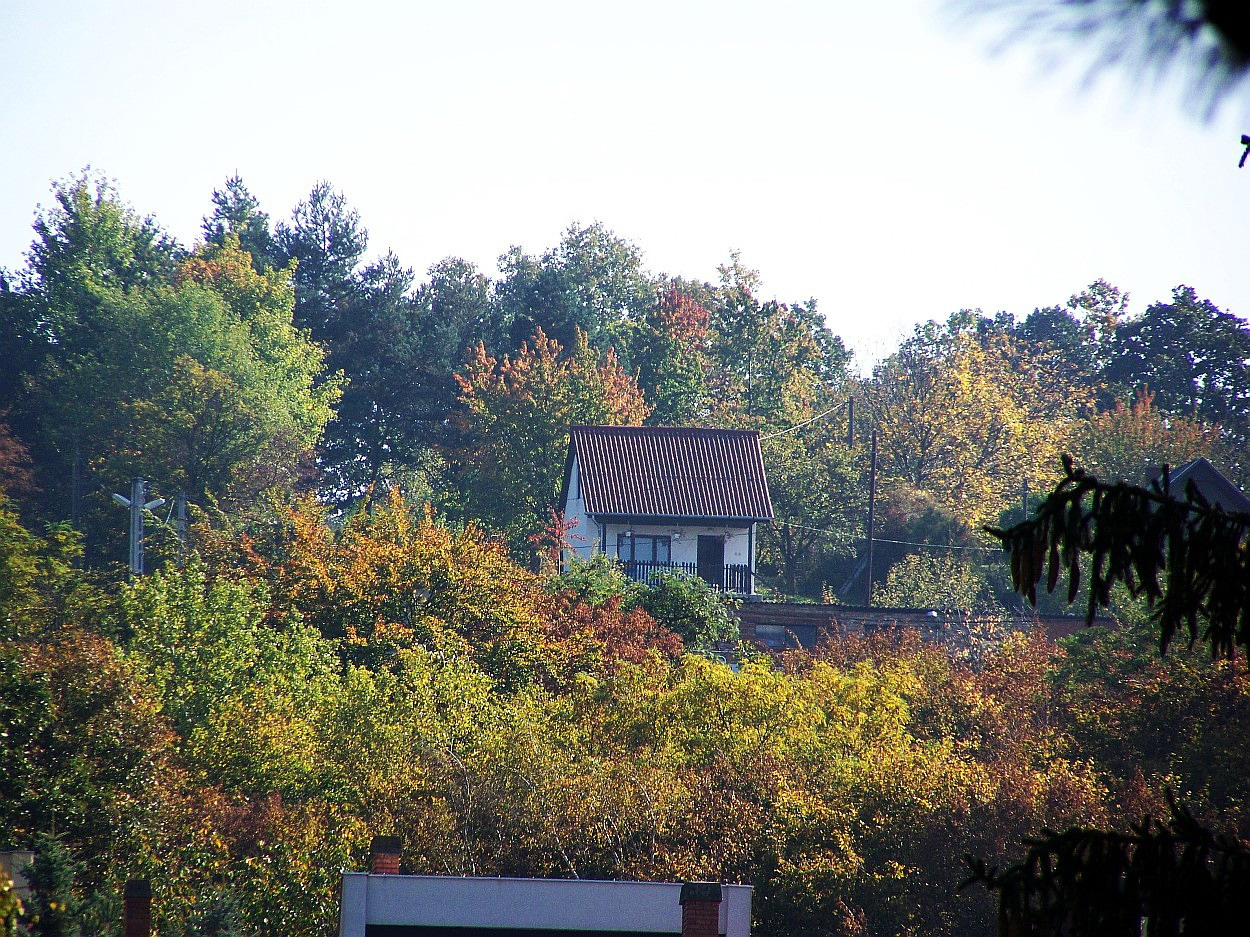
{"type": "Point", "coordinates": [671, 471]}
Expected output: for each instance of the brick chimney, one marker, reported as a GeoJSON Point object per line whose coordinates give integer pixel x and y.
{"type": "Point", "coordinates": [700, 909]}
{"type": "Point", "coordinates": [137, 909]}
{"type": "Point", "coordinates": [384, 853]}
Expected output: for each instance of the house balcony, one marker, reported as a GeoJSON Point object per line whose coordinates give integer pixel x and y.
{"type": "Point", "coordinates": [732, 578]}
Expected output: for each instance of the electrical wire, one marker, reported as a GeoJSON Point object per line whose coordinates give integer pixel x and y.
{"type": "Point", "coordinates": [901, 543]}
{"type": "Point", "coordinates": [818, 416]}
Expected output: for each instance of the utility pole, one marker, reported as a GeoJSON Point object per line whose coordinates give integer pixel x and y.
{"type": "Point", "coordinates": [850, 423]}
{"type": "Point", "coordinates": [872, 512]}
{"type": "Point", "coordinates": [137, 506]}
{"type": "Point", "coordinates": [181, 527]}
{"type": "Point", "coordinates": [1024, 498]}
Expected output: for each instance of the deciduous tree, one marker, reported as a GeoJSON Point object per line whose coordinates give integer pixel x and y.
{"type": "Point", "coordinates": [944, 581]}
{"type": "Point", "coordinates": [776, 363]}
{"type": "Point", "coordinates": [818, 498]}
{"type": "Point", "coordinates": [517, 412]}
{"type": "Point", "coordinates": [1194, 358]}
{"type": "Point", "coordinates": [968, 418]}
{"type": "Point", "coordinates": [1188, 562]}
{"type": "Point", "coordinates": [1132, 439]}
{"type": "Point", "coordinates": [668, 347]}
{"type": "Point", "coordinates": [591, 282]}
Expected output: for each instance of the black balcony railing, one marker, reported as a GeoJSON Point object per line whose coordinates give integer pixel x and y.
{"type": "Point", "coordinates": [733, 577]}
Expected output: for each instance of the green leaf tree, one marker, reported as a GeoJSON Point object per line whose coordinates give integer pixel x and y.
{"type": "Point", "coordinates": [241, 684]}
{"type": "Point", "coordinates": [1195, 359]}
{"type": "Point", "coordinates": [592, 282]}
{"type": "Point", "coordinates": [190, 373]}
{"type": "Point", "coordinates": [41, 586]}
{"type": "Point", "coordinates": [937, 582]}
{"type": "Point", "coordinates": [669, 349]}
{"type": "Point", "coordinates": [90, 248]}
{"type": "Point", "coordinates": [221, 379]}
{"type": "Point", "coordinates": [689, 607]}
{"type": "Point", "coordinates": [776, 363]}
{"type": "Point", "coordinates": [819, 499]}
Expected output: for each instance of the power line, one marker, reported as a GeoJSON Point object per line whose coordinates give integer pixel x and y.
{"type": "Point", "coordinates": [941, 546]}
{"type": "Point", "coordinates": [818, 416]}
{"type": "Point", "coordinates": [901, 543]}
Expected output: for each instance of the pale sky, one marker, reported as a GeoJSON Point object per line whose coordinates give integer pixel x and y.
{"type": "Point", "coordinates": [875, 156]}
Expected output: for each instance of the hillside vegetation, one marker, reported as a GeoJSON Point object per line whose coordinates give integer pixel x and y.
{"type": "Point", "coordinates": [363, 632]}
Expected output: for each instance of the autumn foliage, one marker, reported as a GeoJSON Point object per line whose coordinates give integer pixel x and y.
{"type": "Point", "coordinates": [252, 718]}
{"type": "Point", "coordinates": [366, 630]}
{"type": "Point", "coordinates": [517, 411]}
{"type": "Point", "coordinates": [16, 470]}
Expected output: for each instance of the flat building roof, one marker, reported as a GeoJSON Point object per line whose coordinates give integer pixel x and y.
{"type": "Point", "coordinates": [444, 906]}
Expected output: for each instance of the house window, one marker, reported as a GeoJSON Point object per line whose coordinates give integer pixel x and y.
{"type": "Point", "coordinates": [642, 548]}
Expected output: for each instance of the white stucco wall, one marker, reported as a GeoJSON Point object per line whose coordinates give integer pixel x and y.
{"type": "Point", "coordinates": [685, 540]}
{"type": "Point", "coordinates": [587, 529]}
{"type": "Point", "coordinates": [576, 905]}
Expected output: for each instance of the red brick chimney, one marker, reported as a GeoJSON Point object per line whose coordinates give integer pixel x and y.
{"type": "Point", "coordinates": [384, 853]}
{"type": "Point", "coordinates": [137, 909]}
{"type": "Point", "coordinates": [700, 909]}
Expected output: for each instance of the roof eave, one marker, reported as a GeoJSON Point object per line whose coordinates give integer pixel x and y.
{"type": "Point", "coordinates": [706, 520]}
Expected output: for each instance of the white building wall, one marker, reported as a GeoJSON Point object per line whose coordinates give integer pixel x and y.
{"type": "Point", "coordinates": [685, 540]}
{"type": "Point", "coordinates": [585, 538]}
{"type": "Point", "coordinates": [577, 905]}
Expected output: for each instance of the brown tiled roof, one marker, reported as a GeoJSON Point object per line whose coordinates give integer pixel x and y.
{"type": "Point", "coordinates": [670, 471]}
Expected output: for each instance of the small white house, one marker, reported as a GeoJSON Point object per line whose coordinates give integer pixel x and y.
{"type": "Point", "coordinates": [667, 498]}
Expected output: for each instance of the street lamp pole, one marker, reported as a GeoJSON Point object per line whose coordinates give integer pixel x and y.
{"type": "Point", "coordinates": [137, 506]}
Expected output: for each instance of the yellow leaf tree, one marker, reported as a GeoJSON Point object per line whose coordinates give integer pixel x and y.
{"type": "Point", "coordinates": [969, 417]}
{"type": "Point", "coordinates": [1132, 439]}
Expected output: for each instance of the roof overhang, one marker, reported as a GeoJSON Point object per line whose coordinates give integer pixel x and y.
{"type": "Point", "coordinates": [660, 519]}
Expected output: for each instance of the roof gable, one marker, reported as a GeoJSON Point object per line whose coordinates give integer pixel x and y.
{"type": "Point", "coordinates": [670, 471]}
{"type": "Point", "coordinates": [1211, 483]}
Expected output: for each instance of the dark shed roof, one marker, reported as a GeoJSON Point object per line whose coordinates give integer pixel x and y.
{"type": "Point", "coordinates": [1213, 485]}
{"type": "Point", "coordinates": [670, 471]}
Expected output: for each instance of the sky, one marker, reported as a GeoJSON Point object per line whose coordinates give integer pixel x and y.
{"type": "Point", "coordinates": [893, 161]}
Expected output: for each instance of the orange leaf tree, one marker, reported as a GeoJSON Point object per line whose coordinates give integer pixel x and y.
{"type": "Point", "coordinates": [516, 414]}
{"type": "Point", "coordinates": [1132, 439]}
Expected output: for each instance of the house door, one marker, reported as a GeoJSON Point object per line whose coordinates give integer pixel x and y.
{"type": "Point", "coordinates": [712, 560]}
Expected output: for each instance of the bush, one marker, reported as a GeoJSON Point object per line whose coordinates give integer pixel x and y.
{"type": "Point", "coordinates": [688, 606]}
{"type": "Point", "coordinates": [593, 581]}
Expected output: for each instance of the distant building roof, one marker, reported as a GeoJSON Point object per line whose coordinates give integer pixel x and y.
{"type": "Point", "coordinates": [447, 906]}
{"type": "Point", "coordinates": [670, 471]}
{"type": "Point", "coordinates": [1211, 483]}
